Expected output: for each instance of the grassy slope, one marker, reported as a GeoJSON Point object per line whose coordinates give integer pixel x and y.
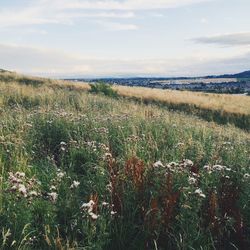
{"type": "Point", "coordinates": [223, 102]}
{"type": "Point", "coordinates": [57, 134]}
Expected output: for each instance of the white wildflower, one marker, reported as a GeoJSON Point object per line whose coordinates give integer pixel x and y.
{"type": "Point", "coordinates": [173, 164]}
{"type": "Point", "coordinates": [158, 164]}
{"type": "Point", "coordinates": [191, 180]}
{"type": "Point", "coordinates": [108, 155]}
{"type": "Point", "coordinates": [88, 205]}
{"type": "Point", "coordinates": [93, 216]}
{"type": "Point", "coordinates": [22, 189]}
{"type": "Point", "coordinates": [200, 193]}
{"type": "Point", "coordinates": [52, 188]}
{"type": "Point", "coordinates": [53, 196]}
{"type": "Point", "coordinates": [246, 176]}
{"type": "Point", "coordinates": [60, 175]}
{"type": "Point", "coordinates": [113, 212]}
{"type": "Point", "coordinates": [33, 193]}
{"type": "Point", "coordinates": [20, 174]}
{"type": "Point", "coordinates": [13, 188]}
{"type": "Point", "coordinates": [75, 184]}
{"type": "Point", "coordinates": [188, 162]}
{"type": "Point", "coordinates": [207, 167]}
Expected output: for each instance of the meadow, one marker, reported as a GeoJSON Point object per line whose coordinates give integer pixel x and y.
{"type": "Point", "coordinates": [80, 170]}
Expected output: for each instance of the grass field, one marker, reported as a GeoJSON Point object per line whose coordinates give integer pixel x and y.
{"type": "Point", "coordinates": [85, 171]}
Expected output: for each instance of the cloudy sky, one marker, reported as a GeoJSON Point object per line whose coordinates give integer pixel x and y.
{"type": "Point", "coordinates": [90, 38]}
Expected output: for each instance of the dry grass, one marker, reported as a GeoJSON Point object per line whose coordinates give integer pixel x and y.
{"type": "Point", "coordinates": [85, 171]}
{"type": "Point", "coordinates": [227, 103]}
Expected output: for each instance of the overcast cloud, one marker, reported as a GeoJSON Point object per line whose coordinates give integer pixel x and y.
{"type": "Point", "coordinates": [233, 39]}
{"type": "Point", "coordinates": [124, 37]}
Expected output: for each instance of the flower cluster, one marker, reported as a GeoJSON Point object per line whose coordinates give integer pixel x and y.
{"type": "Point", "coordinates": [175, 166]}
{"type": "Point", "coordinates": [199, 192]}
{"type": "Point", "coordinates": [89, 208]}
{"type": "Point", "coordinates": [216, 168]}
{"type": "Point", "coordinates": [23, 186]}
{"type": "Point", "coordinates": [75, 184]}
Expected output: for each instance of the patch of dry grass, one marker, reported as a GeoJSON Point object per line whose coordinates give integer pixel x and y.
{"type": "Point", "coordinates": [228, 103]}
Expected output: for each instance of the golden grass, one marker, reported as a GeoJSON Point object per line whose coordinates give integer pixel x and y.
{"type": "Point", "coordinates": [223, 102]}
{"type": "Point", "coordinates": [228, 103]}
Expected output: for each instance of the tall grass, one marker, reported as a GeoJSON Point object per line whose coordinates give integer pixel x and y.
{"type": "Point", "coordinates": [83, 171]}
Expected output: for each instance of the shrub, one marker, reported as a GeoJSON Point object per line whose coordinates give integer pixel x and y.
{"type": "Point", "coordinates": [102, 88]}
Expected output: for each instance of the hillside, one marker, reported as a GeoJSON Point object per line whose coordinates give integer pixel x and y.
{"type": "Point", "coordinates": [245, 74]}
{"type": "Point", "coordinates": [220, 108]}
{"type": "Point", "coordinates": [87, 171]}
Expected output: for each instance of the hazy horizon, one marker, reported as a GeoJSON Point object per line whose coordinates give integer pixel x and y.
{"type": "Point", "coordinates": [125, 38]}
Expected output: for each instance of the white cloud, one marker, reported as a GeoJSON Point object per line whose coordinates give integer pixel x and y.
{"type": "Point", "coordinates": [126, 4]}
{"type": "Point", "coordinates": [115, 26]}
{"type": "Point", "coordinates": [66, 11]}
{"type": "Point", "coordinates": [45, 62]}
{"type": "Point", "coordinates": [231, 39]}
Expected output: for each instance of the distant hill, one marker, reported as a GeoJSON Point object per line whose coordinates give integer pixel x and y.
{"type": "Point", "coordinates": [245, 74]}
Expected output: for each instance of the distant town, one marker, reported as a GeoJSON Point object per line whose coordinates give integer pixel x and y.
{"type": "Point", "coordinates": [231, 84]}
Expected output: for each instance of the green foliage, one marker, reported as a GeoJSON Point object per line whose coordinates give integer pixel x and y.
{"type": "Point", "coordinates": [81, 171]}
{"type": "Point", "coordinates": [23, 101]}
{"type": "Point", "coordinates": [103, 88]}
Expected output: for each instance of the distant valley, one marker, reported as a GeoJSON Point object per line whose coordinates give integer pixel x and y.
{"type": "Point", "coordinates": [231, 83]}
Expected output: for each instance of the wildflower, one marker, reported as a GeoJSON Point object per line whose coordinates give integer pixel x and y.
{"type": "Point", "coordinates": [218, 167]}
{"type": "Point", "coordinates": [52, 188]}
{"type": "Point", "coordinates": [88, 205]}
{"type": "Point", "coordinates": [188, 162]}
{"type": "Point", "coordinates": [246, 176]}
{"type": "Point", "coordinates": [22, 189]}
{"type": "Point", "coordinates": [60, 175]}
{"type": "Point", "coordinates": [173, 164]}
{"type": "Point", "coordinates": [191, 180]}
{"type": "Point", "coordinates": [208, 169]}
{"type": "Point", "coordinates": [108, 155]}
{"type": "Point", "coordinates": [13, 188]}
{"type": "Point", "coordinates": [158, 164]}
{"type": "Point", "coordinates": [113, 212]}
{"type": "Point", "coordinates": [75, 184]}
{"type": "Point", "coordinates": [93, 215]}
{"type": "Point", "coordinates": [109, 187]}
{"type": "Point", "coordinates": [13, 178]}
{"type": "Point", "coordinates": [200, 193]}
{"type": "Point", "coordinates": [53, 196]}
{"type": "Point", "coordinates": [33, 193]}
{"type": "Point", "coordinates": [105, 204]}
{"type": "Point", "coordinates": [20, 174]}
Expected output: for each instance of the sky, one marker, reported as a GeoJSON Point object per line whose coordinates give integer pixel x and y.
{"type": "Point", "coordinates": [104, 38]}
